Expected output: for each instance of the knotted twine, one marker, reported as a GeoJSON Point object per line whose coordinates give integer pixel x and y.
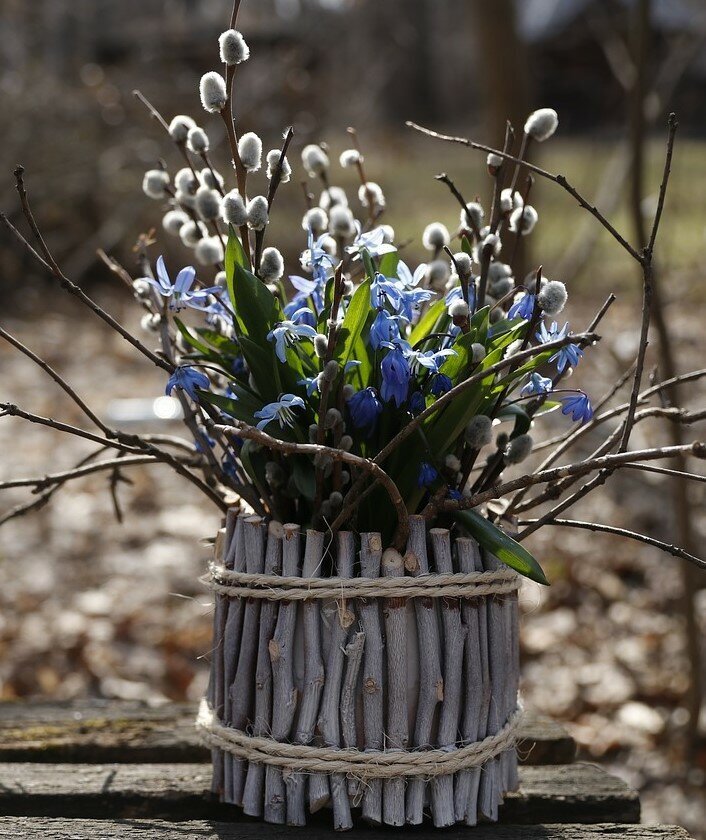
{"type": "Point", "coordinates": [364, 764]}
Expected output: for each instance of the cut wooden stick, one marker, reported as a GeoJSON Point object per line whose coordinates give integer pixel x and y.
{"type": "Point", "coordinates": [490, 795]}
{"type": "Point", "coordinates": [243, 688]}
{"type": "Point", "coordinates": [311, 692]}
{"type": "Point", "coordinates": [284, 694]}
{"type": "Point", "coordinates": [231, 642]}
{"type": "Point", "coordinates": [476, 683]}
{"type": "Point", "coordinates": [442, 787]}
{"type": "Point", "coordinates": [373, 717]}
{"type": "Point", "coordinates": [395, 615]}
{"type": "Point", "coordinates": [215, 686]}
{"type": "Point", "coordinates": [329, 717]}
{"type": "Point", "coordinates": [349, 691]}
{"type": "Point", "coordinates": [431, 684]}
{"type": "Point", "coordinates": [253, 795]}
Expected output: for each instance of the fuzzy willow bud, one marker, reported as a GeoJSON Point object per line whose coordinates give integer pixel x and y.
{"type": "Point", "coordinates": [479, 431]}
{"type": "Point", "coordinates": [208, 204]}
{"type": "Point", "coordinates": [197, 141]}
{"type": "Point", "coordinates": [155, 183]}
{"type": "Point", "coordinates": [212, 90]}
{"type": "Point", "coordinates": [435, 236]}
{"type": "Point", "coordinates": [476, 213]}
{"type": "Point", "coordinates": [179, 128]}
{"type": "Point", "coordinates": [315, 220]}
{"type": "Point", "coordinates": [315, 160]}
{"type": "Point", "coordinates": [233, 47]}
{"type": "Point", "coordinates": [542, 124]}
{"type": "Point", "coordinates": [320, 345]}
{"type": "Point", "coordinates": [173, 221]}
{"type": "Point", "coordinates": [463, 264]}
{"type": "Point", "coordinates": [341, 221]}
{"type": "Point", "coordinates": [273, 157]}
{"type": "Point", "coordinates": [209, 251]}
{"type": "Point", "coordinates": [250, 151]}
{"type": "Point", "coordinates": [518, 449]}
{"type": "Point", "coordinates": [552, 297]}
{"type": "Point", "coordinates": [330, 371]}
{"type": "Point", "coordinates": [271, 265]}
{"type": "Point", "coordinates": [233, 209]}
{"type": "Point", "coordinates": [258, 213]}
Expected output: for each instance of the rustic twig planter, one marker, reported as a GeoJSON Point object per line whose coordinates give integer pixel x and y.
{"type": "Point", "coordinates": [352, 677]}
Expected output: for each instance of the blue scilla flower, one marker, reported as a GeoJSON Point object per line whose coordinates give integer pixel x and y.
{"type": "Point", "coordinates": [537, 384]}
{"type": "Point", "coordinates": [282, 410]}
{"type": "Point", "coordinates": [188, 380]}
{"type": "Point", "coordinates": [523, 308]}
{"type": "Point", "coordinates": [386, 290]}
{"type": "Point", "coordinates": [316, 259]}
{"type": "Point", "coordinates": [454, 494]}
{"type": "Point", "coordinates": [296, 310]}
{"type": "Point", "coordinates": [385, 329]}
{"type": "Point", "coordinates": [179, 292]}
{"type": "Point", "coordinates": [457, 294]}
{"type": "Point", "coordinates": [287, 334]}
{"type": "Point", "coordinates": [578, 406]}
{"type": "Point", "coordinates": [567, 356]}
{"type": "Point", "coordinates": [427, 474]}
{"type": "Point", "coordinates": [440, 384]}
{"type": "Point", "coordinates": [409, 280]}
{"type": "Point", "coordinates": [395, 376]}
{"type": "Point", "coordinates": [238, 366]}
{"type": "Point", "coordinates": [430, 360]}
{"type": "Point", "coordinates": [417, 403]}
{"type": "Point", "coordinates": [373, 241]}
{"type": "Point", "coordinates": [411, 302]}
{"type": "Point", "coordinates": [310, 383]}
{"type": "Point", "coordinates": [207, 440]}
{"type": "Point", "coordinates": [364, 408]}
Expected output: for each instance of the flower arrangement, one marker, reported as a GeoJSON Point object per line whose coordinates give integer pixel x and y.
{"type": "Point", "coordinates": [358, 389]}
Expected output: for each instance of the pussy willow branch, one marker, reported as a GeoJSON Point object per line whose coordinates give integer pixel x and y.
{"type": "Point", "coordinates": [121, 441]}
{"type": "Point", "coordinates": [40, 483]}
{"type": "Point", "coordinates": [550, 176]}
{"type": "Point", "coordinates": [60, 381]}
{"type": "Point", "coordinates": [623, 532]}
{"type": "Point", "coordinates": [354, 495]}
{"type": "Point", "coordinates": [605, 462]}
{"type": "Point", "coordinates": [275, 181]}
{"type": "Point", "coordinates": [47, 260]}
{"type": "Point", "coordinates": [676, 415]}
{"type": "Point", "coordinates": [45, 496]}
{"type": "Point", "coordinates": [340, 455]}
{"type": "Point", "coordinates": [648, 284]}
{"type": "Point", "coordinates": [154, 113]}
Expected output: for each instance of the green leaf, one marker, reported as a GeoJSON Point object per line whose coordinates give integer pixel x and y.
{"type": "Point", "coordinates": [456, 367]}
{"type": "Point", "coordinates": [257, 309]}
{"type": "Point", "coordinates": [480, 322]}
{"type": "Point", "coordinates": [241, 409]}
{"type": "Point", "coordinates": [304, 477]}
{"type": "Point", "coordinates": [522, 419]}
{"type": "Point", "coordinates": [263, 366]}
{"type": "Point", "coordinates": [388, 264]}
{"type": "Point", "coordinates": [368, 263]}
{"type": "Point", "coordinates": [353, 322]}
{"type": "Point", "coordinates": [192, 341]}
{"type": "Point", "coordinates": [497, 542]}
{"type": "Point", "coordinates": [235, 255]}
{"type": "Point", "coordinates": [466, 246]}
{"type": "Point", "coordinates": [427, 323]}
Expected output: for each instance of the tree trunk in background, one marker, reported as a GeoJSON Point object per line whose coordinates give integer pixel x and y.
{"type": "Point", "coordinates": [503, 75]}
{"type": "Point", "coordinates": [502, 68]}
{"type": "Point", "coordinates": [682, 499]}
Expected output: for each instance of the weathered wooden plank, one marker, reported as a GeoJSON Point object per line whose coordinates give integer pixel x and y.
{"type": "Point", "coordinates": [107, 731]}
{"type": "Point", "coordinates": [60, 829]}
{"type": "Point", "coordinates": [580, 793]}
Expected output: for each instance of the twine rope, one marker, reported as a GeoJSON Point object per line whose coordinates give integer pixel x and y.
{"type": "Point", "coordinates": [364, 764]}
{"type": "Point", "coordinates": [280, 588]}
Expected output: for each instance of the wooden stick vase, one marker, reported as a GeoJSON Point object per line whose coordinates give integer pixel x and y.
{"type": "Point", "coordinates": [350, 677]}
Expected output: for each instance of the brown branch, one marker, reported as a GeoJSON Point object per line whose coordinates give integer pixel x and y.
{"type": "Point", "coordinates": [623, 532]}
{"type": "Point", "coordinates": [40, 483]}
{"type": "Point", "coordinates": [550, 176]}
{"type": "Point", "coordinates": [275, 181]}
{"type": "Point", "coordinates": [251, 433]}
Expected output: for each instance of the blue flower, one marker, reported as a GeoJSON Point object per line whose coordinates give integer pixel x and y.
{"type": "Point", "coordinates": [567, 356]}
{"type": "Point", "coordinates": [578, 406]}
{"type": "Point", "coordinates": [409, 280]}
{"type": "Point", "coordinates": [523, 308]}
{"type": "Point", "coordinates": [188, 380]}
{"type": "Point", "coordinates": [440, 384]}
{"type": "Point", "coordinates": [411, 302]}
{"type": "Point", "coordinates": [281, 410]}
{"type": "Point", "coordinates": [287, 334]}
{"type": "Point", "coordinates": [364, 407]}
{"type": "Point", "coordinates": [428, 359]}
{"type": "Point", "coordinates": [427, 475]}
{"type": "Point", "coordinates": [311, 383]}
{"type": "Point", "coordinates": [315, 259]}
{"type": "Point", "coordinates": [296, 310]}
{"type": "Point", "coordinates": [180, 292]}
{"type": "Point", "coordinates": [417, 403]}
{"type": "Point", "coordinates": [457, 294]}
{"type": "Point", "coordinates": [230, 467]}
{"type": "Point", "coordinates": [537, 384]}
{"type": "Point", "coordinates": [454, 494]}
{"type": "Point", "coordinates": [384, 330]}
{"type": "Point", "coordinates": [395, 376]}
{"type": "Point", "coordinates": [372, 241]}
{"type": "Point", "coordinates": [384, 289]}
{"type": "Point", "coordinates": [238, 366]}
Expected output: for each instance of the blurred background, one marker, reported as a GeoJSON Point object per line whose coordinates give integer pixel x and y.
{"type": "Point", "coordinates": [93, 607]}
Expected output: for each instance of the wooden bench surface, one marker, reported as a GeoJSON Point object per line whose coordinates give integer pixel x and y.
{"type": "Point", "coordinates": [107, 731]}
{"type": "Point", "coordinates": [123, 770]}
{"type": "Point", "coordinates": [59, 829]}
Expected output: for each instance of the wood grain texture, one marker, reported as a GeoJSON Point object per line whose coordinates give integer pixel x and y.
{"type": "Point", "coordinates": [142, 829]}
{"type": "Point", "coordinates": [575, 792]}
